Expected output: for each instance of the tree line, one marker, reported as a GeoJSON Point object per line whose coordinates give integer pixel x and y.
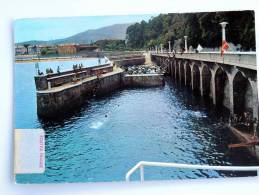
{"type": "Point", "coordinates": [201, 28]}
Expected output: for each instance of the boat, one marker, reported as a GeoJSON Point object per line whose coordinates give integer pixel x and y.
{"type": "Point", "coordinates": [247, 140]}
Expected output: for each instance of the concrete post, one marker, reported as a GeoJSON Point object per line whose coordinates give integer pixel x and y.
{"type": "Point", "coordinates": [255, 98]}
{"type": "Point", "coordinates": [185, 44]}
{"type": "Point", "coordinates": [201, 81]}
{"type": "Point", "coordinates": [161, 47]}
{"type": "Point", "coordinates": [223, 25]}
{"type": "Point", "coordinates": [49, 85]}
{"type": "Point", "coordinates": [192, 76]}
{"type": "Point", "coordinates": [156, 49]}
{"type": "Point", "coordinates": [169, 46]}
{"type": "Point", "coordinates": [213, 87]}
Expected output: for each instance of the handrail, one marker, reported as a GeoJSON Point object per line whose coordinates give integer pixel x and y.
{"type": "Point", "coordinates": [140, 165]}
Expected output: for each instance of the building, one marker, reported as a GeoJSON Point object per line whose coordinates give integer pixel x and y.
{"type": "Point", "coordinates": [67, 49]}
{"type": "Point", "coordinates": [75, 48]}
{"type": "Point", "coordinates": [20, 50]}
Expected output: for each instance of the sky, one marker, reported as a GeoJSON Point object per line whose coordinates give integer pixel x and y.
{"type": "Point", "coordinates": [57, 28]}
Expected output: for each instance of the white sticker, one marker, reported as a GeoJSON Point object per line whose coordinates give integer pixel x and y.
{"type": "Point", "coordinates": [29, 151]}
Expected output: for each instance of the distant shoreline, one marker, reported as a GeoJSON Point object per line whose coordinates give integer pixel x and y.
{"type": "Point", "coordinates": [53, 59]}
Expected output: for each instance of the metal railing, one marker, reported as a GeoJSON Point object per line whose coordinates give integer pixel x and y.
{"type": "Point", "coordinates": [142, 164]}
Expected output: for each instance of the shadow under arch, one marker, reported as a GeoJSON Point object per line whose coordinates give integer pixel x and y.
{"type": "Point", "coordinates": [206, 82]}
{"type": "Point", "coordinates": [196, 79]}
{"type": "Point", "coordinates": [221, 88]}
{"type": "Point", "coordinates": [242, 94]}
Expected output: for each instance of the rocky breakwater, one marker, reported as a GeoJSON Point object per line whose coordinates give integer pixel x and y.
{"type": "Point", "coordinates": [143, 76]}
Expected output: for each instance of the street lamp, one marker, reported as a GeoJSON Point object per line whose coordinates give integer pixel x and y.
{"type": "Point", "coordinates": [223, 25]}
{"type": "Point", "coordinates": [185, 44]}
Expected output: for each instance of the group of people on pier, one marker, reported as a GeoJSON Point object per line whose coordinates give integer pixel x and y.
{"type": "Point", "coordinates": [77, 67]}
{"type": "Point", "coordinates": [50, 70]}
{"type": "Point", "coordinates": [245, 122]}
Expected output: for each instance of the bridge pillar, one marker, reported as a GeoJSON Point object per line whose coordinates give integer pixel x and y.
{"type": "Point", "coordinates": [185, 79]}
{"type": "Point", "coordinates": [231, 77]}
{"type": "Point", "coordinates": [255, 98]}
{"type": "Point", "coordinates": [191, 65]}
{"type": "Point", "coordinates": [201, 79]}
{"type": "Point", "coordinates": [169, 66]}
{"type": "Point", "coordinates": [231, 94]}
{"type": "Point", "coordinates": [213, 86]}
{"type": "Point", "coordinates": [175, 71]}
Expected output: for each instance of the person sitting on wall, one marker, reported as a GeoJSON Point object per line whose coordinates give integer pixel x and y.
{"type": "Point", "coordinates": [58, 70]}
{"type": "Point", "coordinates": [80, 66]}
{"type": "Point", "coordinates": [39, 72]}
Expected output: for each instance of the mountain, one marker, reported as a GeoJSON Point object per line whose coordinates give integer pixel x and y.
{"type": "Point", "coordinates": [116, 31]}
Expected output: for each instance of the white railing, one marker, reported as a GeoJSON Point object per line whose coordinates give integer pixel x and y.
{"type": "Point", "coordinates": [142, 164]}
{"type": "Point", "coordinates": [240, 59]}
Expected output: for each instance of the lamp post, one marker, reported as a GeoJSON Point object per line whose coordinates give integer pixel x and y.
{"type": "Point", "coordinates": [169, 46]}
{"type": "Point", "coordinates": [223, 25]}
{"type": "Point", "coordinates": [161, 47]}
{"type": "Point", "coordinates": [185, 44]}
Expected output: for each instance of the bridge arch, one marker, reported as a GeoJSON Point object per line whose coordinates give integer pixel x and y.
{"type": "Point", "coordinates": [206, 81]}
{"type": "Point", "coordinates": [195, 78]}
{"type": "Point", "coordinates": [242, 94]}
{"type": "Point", "coordinates": [221, 88]}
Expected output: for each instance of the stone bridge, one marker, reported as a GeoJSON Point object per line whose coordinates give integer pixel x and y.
{"type": "Point", "coordinates": [229, 80]}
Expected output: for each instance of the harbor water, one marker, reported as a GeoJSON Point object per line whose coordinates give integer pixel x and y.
{"type": "Point", "coordinates": [108, 135]}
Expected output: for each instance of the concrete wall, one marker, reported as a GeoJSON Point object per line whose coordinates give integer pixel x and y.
{"type": "Point", "coordinates": [143, 80]}
{"type": "Point", "coordinates": [130, 62]}
{"type": "Point", "coordinates": [57, 79]}
{"type": "Point", "coordinates": [51, 103]}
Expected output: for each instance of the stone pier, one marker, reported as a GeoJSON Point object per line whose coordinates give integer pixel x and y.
{"type": "Point", "coordinates": [59, 93]}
